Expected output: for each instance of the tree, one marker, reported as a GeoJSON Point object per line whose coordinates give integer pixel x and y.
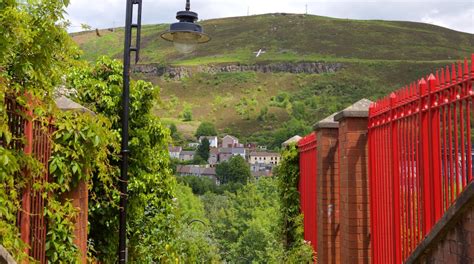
{"type": "Point", "coordinates": [203, 149]}
{"type": "Point", "coordinates": [236, 170]}
{"type": "Point", "coordinates": [35, 53]}
{"type": "Point", "coordinates": [205, 129]}
{"type": "Point", "coordinates": [187, 113]}
{"type": "Point", "coordinates": [151, 207]}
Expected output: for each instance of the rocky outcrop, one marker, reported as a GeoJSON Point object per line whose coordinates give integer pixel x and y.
{"type": "Point", "coordinates": [178, 73]}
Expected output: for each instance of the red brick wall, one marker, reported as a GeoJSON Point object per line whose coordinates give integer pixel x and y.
{"type": "Point", "coordinates": [79, 197]}
{"type": "Point", "coordinates": [354, 188]}
{"type": "Point", "coordinates": [328, 196]}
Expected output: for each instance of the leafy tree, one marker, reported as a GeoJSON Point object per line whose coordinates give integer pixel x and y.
{"type": "Point", "coordinates": [203, 149]}
{"type": "Point", "coordinates": [151, 210]}
{"type": "Point", "coordinates": [194, 241]}
{"type": "Point", "coordinates": [235, 170]}
{"type": "Point", "coordinates": [245, 224]}
{"type": "Point", "coordinates": [187, 113]}
{"type": "Point", "coordinates": [199, 185]}
{"type": "Point", "coordinates": [35, 52]}
{"type": "Point", "coordinates": [175, 135]}
{"type": "Point", "coordinates": [206, 129]}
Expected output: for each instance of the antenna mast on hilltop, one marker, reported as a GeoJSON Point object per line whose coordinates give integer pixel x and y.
{"type": "Point", "coordinates": [248, 10]}
{"type": "Point", "coordinates": [306, 8]}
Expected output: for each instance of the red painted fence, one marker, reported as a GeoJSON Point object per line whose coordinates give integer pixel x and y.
{"type": "Point", "coordinates": [307, 188]}
{"type": "Point", "coordinates": [37, 143]}
{"type": "Point", "coordinates": [420, 158]}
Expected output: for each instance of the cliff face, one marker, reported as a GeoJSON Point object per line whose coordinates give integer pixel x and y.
{"type": "Point", "coordinates": [177, 73]}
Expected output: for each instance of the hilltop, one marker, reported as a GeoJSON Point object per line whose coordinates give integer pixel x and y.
{"type": "Point", "coordinates": [223, 82]}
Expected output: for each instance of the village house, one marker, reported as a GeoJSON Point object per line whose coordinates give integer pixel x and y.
{"type": "Point", "coordinates": [213, 141]}
{"type": "Point", "coordinates": [230, 142]}
{"type": "Point", "coordinates": [186, 155]}
{"type": "Point", "coordinates": [174, 152]}
{"type": "Point", "coordinates": [213, 156]}
{"type": "Point", "coordinates": [226, 153]}
{"type": "Point", "coordinates": [268, 158]}
{"type": "Point", "coordinates": [198, 171]}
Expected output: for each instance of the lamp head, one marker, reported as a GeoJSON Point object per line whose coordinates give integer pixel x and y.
{"type": "Point", "coordinates": [186, 34]}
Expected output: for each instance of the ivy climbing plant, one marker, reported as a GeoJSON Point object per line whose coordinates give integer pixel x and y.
{"type": "Point", "coordinates": [287, 173]}
{"type": "Point", "coordinates": [151, 218]}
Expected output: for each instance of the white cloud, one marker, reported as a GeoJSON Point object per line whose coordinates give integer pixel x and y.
{"type": "Point", "coordinates": [457, 15]}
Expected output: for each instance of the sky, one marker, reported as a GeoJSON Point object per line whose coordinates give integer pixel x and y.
{"type": "Point", "coordinates": [454, 14]}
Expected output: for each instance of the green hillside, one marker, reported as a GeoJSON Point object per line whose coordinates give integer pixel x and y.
{"type": "Point", "coordinates": [376, 56]}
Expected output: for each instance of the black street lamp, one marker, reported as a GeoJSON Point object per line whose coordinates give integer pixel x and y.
{"type": "Point", "coordinates": [185, 35]}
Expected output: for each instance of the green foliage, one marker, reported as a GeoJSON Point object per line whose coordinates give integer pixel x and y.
{"type": "Point", "coordinates": [187, 114]}
{"type": "Point", "coordinates": [246, 107]}
{"type": "Point", "coordinates": [203, 149]}
{"type": "Point", "coordinates": [60, 247]}
{"type": "Point", "coordinates": [151, 222]}
{"type": "Point", "coordinates": [235, 170]}
{"type": "Point", "coordinates": [194, 239]}
{"type": "Point", "coordinates": [245, 224]}
{"type": "Point", "coordinates": [199, 185]}
{"type": "Point", "coordinates": [291, 221]}
{"type": "Point", "coordinates": [35, 51]}
{"type": "Point", "coordinates": [287, 174]}
{"type": "Point", "coordinates": [175, 134]}
{"type": "Point", "coordinates": [206, 129]}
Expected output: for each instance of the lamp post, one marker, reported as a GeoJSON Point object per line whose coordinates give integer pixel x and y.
{"type": "Point", "coordinates": [185, 35]}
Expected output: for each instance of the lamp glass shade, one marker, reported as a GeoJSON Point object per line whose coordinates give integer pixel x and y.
{"type": "Point", "coordinates": [185, 42]}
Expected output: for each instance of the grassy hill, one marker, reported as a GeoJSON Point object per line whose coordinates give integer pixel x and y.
{"type": "Point", "coordinates": [377, 57]}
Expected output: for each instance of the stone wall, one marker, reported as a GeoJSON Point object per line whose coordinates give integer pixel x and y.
{"type": "Point", "coordinates": [452, 239]}
{"type": "Point", "coordinates": [177, 73]}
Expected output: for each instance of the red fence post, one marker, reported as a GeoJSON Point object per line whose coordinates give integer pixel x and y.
{"type": "Point", "coordinates": [25, 226]}
{"type": "Point", "coordinates": [425, 157]}
{"type": "Point", "coordinates": [396, 180]}
{"type": "Point", "coordinates": [435, 150]}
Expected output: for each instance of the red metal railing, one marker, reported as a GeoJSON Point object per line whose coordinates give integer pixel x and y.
{"type": "Point", "coordinates": [37, 142]}
{"type": "Point", "coordinates": [420, 158]}
{"type": "Point", "coordinates": [307, 188]}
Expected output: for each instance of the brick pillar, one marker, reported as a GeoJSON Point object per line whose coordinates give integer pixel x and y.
{"type": "Point", "coordinates": [79, 197]}
{"type": "Point", "coordinates": [354, 180]}
{"type": "Point", "coordinates": [329, 250]}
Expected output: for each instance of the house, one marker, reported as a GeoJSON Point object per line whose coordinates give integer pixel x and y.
{"type": "Point", "coordinates": [213, 156]}
{"type": "Point", "coordinates": [226, 153]}
{"type": "Point", "coordinates": [213, 141]}
{"type": "Point", "coordinates": [198, 171]}
{"type": "Point", "coordinates": [292, 140]}
{"type": "Point", "coordinates": [186, 155]}
{"type": "Point", "coordinates": [269, 158]}
{"type": "Point", "coordinates": [174, 152]}
{"type": "Point", "coordinates": [229, 142]}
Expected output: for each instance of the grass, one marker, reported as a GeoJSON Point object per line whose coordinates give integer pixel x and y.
{"type": "Point", "coordinates": [294, 38]}
{"type": "Point", "coordinates": [377, 57]}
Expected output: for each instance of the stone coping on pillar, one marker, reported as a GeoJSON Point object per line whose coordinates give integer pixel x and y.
{"type": "Point", "coordinates": [464, 201]}
{"type": "Point", "coordinates": [66, 104]}
{"type": "Point", "coordinates": [359, 109]}
{"type": "Point", "coordinates": [5, 257]}
{"type": "Point", "coordinates": [327, 122]}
